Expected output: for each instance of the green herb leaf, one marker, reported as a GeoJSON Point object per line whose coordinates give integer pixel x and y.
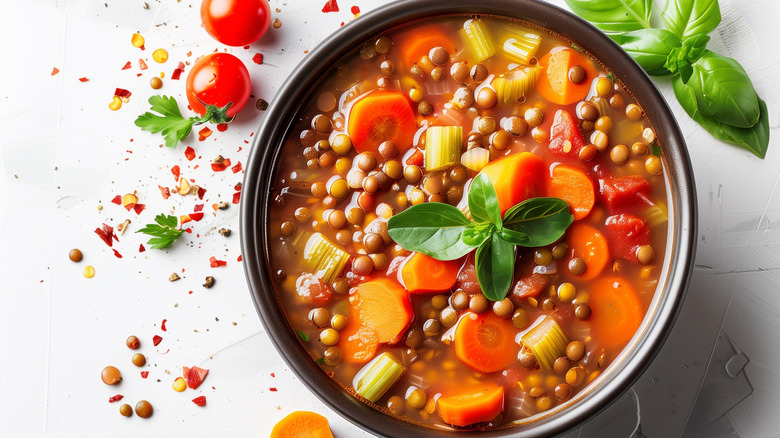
{"type": "Point", "coordinates": [614, 16]}
{"type": "Point", "coordinates": [543, 220]}
{"type": "Point", "coordinates": [167, 119]}
{"type": "Point", "coordinates": [431, 228]}
{"type": "Point", "coordinates": [476, 234]}
{"type": "Point", "coordinates": [724, 91]}
{"type": "Point", "coordinates": [681, 58]}
{"type": "Point", "coordinates": [514, 237]}
{"type": "Point", "coordinates": [495, 265]}
{"type": "Point", "coordinates": [754, 139]}
{"type": "Point", "coordinates": [302, 335]}
{"type": "Point", "coordinates": [686, 18]}
{"type": "Point", "coordinates": [650, 48]}
{"type": "Point", "coordinates": [164, 233]}
{"type": "Point", "coordinates": [483, 201]}
{"type": "Point", "coordinates": [320, 360]}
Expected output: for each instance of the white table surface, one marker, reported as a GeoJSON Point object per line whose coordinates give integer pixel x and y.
{"type": "Point", "coordinates": [64, 154]}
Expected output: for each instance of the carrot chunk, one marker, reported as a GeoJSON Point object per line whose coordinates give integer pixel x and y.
{"type": "Point", "coordinates": [302, 424]}
{"type": "Point", "coordinates": [485, 342]}
{"type": "Point", "coordinates": [554, 84]}
{"type": "Point", "coordinates": [591, 246]}
{"type": "Point", "coordinates": [472, 407]}
{"type": "Point", "coordinates": [379, 116]}
{"type": "Point", "coordinates": [616, 311]}
{"type": "Point", "coordinates": [516, 178]}
{"type": "Point", "coordinates": [575, 187]}
{"type": "Point", "coordinates": [419, 43]}
{"type": "Point", "coordinates": [423, 274]}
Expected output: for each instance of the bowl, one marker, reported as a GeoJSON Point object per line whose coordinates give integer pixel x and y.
{"type": "Point", "coordinates": [681, 240]}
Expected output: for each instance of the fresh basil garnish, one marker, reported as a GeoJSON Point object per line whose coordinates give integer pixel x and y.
{"type": "Point", "coordinates": [431, 228]}
{"type": "Point", "coordinates": [687, 18]}
{"type": "Point", "coordinates": [495, 265]}
{"type": "Point", "coordinates": [483, 202]}
{"type": "Point", "coordinates": [614, 16]}
{"type": "Point", "coordinates": [543, 220]}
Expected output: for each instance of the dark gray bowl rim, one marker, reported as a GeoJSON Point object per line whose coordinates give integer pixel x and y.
{"type": "Point", "coordinates": [282, 113]}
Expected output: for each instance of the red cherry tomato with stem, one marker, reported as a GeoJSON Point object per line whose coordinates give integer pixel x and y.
{"type": "Point", "coordinates": [236, 22]}
{"type": "Point", "coordinates": [218, 79]}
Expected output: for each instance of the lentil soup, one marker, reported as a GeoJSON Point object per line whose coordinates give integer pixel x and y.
{"type": "Point", "coordinates": [415, 116]}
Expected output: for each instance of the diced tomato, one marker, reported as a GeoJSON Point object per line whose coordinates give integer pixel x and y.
{"type": "Point", "coordinates": [189, 153]}
{"type": "Point", "coordinates": [216, 263]}
{"type": "Point", "coordinates": [625, 234]}
{"type": "Point", "coordinates": [530, 286]}
{"type": "Point", "coordinates": [236, 168]}
{"type": "Point", "coordinates": [117, 200]}
{"type": "Point", "coordinates": [138, 208]}
{"type": "Point", "coordinates": [467, 279]}
{"type": "Point", "coordinates": [198, 207]}
{"type": "Point", "coordinates": [415, 159]}
{"type": "Point", "coordinates": [164, 191]}
{"type": "Point", "coordinates": [624, 191]}
{"type": "Point", "coordinates": [156, 339]}
{"type": "Point", "coordinates": [196, 216]}
{"type": "Point", "coordinates": [176, 172]}
{"type": "Point", "coordinates": [565, 137]}
{"type": "Point", "coordinates": [236, 197]}
{"type": "Point", "coordinates": [201, 193]}
{"type": "Point", "coordinates": [200, 400]}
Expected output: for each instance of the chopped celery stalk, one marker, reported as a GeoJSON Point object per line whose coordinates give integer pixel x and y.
{"type": "Point", "coordinates": [512, 86]}
{"type": "Point", "coordinates": [324, 259]}
{"type": "Point", "coordinates": [656, 214]}
{"type": "Point", "coordinates": [547, 341]}
{"type": "Point", "coordinates": [442, 146]}
{"type": "Point", "coordinates": [522, 47]}
{"type": "Point", "coordinates": [475, 159]}
{"type": "Point", "coordinates": [378, 376]}
{"type": "Point", "coordinates": [479, 39]}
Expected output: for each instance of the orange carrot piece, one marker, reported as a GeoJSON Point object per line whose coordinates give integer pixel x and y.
{"type": "Point", "coordinates": [616, 311]}
{"type": "Point", "coordinates": [485, 342]}
{"type": "Point", "coordinates": [575, 187]}
{"type": "Point", "coordinates": [423, 274]}
{"type": "Point", "coordinates": [302, 424]}
{"type": "Point", "coordinates": [590, 245]}
{"type": "Point", "coordinates": [422, 41]}
{"type": "Point", "coordinates": [380, 116]}
{"type": "Point", "coordinates": [516, 178]}
{"type": "Point", "coordinates": [358, 342]}
{"type": "Point", "coordinates": [473, 407]}
{"type": "Point", "coordinates": [554, 84]}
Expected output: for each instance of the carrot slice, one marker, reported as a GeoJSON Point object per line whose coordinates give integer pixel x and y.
{"type": "Point", "coordinates": [302, 424]}
{"type": "Point", "coordinates": [616, 311]}
{"type": "Point", "coordinates": [516, 178]}
{"type": "Point", "coordinates": [419, 43]}
{"type": "Point", "coordinates": [358, 342]}
{"type": "Point", "coordinates": [554, 84]}
{"type": "Point", "coordinates": [590, 245]}
{"type": "Point", "coordinates": [485, 342]}
{"type": "Point", "coordinates": [423, 274]}
{"type": "Point", "coordinates": [473, 407]}
{"type": "Point", "coordinates": [379, 116]}
{"type": "Point", "coordinates": [575, 187]}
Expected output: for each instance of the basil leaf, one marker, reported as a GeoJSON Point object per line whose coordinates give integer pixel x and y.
{"type": "Point", "coordinates": [495, 265]}
{"type": "Point", "coordinates": [483, 202]}
{"type": "Point", "coordinates": [686, 18]}
{"type": "Point", "coordinates": [650, 48]}
{"type": "Point", "coordinates": [514, 237]}
{"type": "Point", "coordinates": [543, 220]}
{"type": "Point", "coordinates": [681, 58]}
{"type": "Point", "coordinates": [432, 228]}
{"type": "Point", "coordinates": [755, 139]}
{"type": "Point", "coordinates": [614, 16]}
{"type": "Point", "coordinates": [476, 235]}
{"type": "Point", "coordinates": [724, 90]}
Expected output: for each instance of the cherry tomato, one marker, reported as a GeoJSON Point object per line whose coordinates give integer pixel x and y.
{"type": "Point", "coordinates": [218, 79]}
{"type": "Point", "coordinates": [235, 22]}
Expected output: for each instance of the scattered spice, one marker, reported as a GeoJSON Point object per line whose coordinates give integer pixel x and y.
{"type": "Point", "coordinates": [194, 376]}
{"type": "Point", "coordinates": [236, 168]}
{"type": "Point", "coordinates": [200, 401]}
{"type": "Point", "coordinates": [156, 340]}
{"type": "Point", "coordinates": [189, 153]}
{"type": "Point", "coordinates": [162, 326]}
{"type": "Point", "coordinates": [165, 192]}
{"type": "Point", "coordinates": [54, 71]}
{"type": "Point", "coordinates": [174, 277]}
{"type": "Point", "coordinates": [83, 79]}
{"type": "Point", "coordinates": [127, 66]}
{"type": "Point", "coordinates": [176, 171]}
{"type": "Point", "coordinates": [144, 374]}
{"type": "Point", "coordinates": [214, 263]}
{"type": "Point", "coordinates": [204, 133]}
{"type": "Point", "coordinates": [303, 335]}
{"type": "Point", "coordinates": [223, 206]}
{"type": "Point", "coordinates": [116, 398]}
{"type": "Point", "coordinates": [123, 226]}
{"type": "Point", "coordinates": [224, 232]}
{"type": "Point", "coordinates": [272, 389]}
{"type": "Point", "coordinates": [209, 282]}
{"type": "Point", "coordinates": [261, 104]}
{"type": "Point", "coordinates": [141, 248]}
{"type": "Point", "coordinates": [142, 65]}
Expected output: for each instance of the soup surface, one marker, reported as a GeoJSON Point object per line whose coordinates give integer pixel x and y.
{"type": "Point", "coordinates": [417, 116]}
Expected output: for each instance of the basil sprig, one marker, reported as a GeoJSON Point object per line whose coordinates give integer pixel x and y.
{"type": "Point", "coordinates": [443, 232]}
{"type": "Point", "coordinates": [713, 89]}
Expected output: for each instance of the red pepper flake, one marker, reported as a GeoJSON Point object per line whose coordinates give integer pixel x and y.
{"type": "Point", "coordinates": [189, 153]}
{"type": "Point", "coordinates": [165, 192]}
{"type": "Point", "coordinates": [330, 6]}
{"type": "Point", "coordinates": [204, 133]}
{"type": "Point", "coordinates": [117, 200]}
{"type": "Point", "coordinates": [236, 168]}
{"type": "Point", "coordinates": [196, 216]}
{"type": "Point", "coordinates": [219, 167]}
{"type": "Point", "coordinates": [237, 187]}
{"type": "Point", "coordinates": [141, 248]}
{"type": "Point", "coordinates": [222, 127]}
{"type": "Point", "coordinates": [200, 401]}
{"type": "Point", "coordinates": [127, 66]}
{"type": "Point", "coordinates": [198, 207]}
{"type": "Point", "coordinates": [194, 376]}
{"type": "Point", "coordinates": [236, 197]}
{"type": "Point", "coordinates": [201, 193]}
{"type": "Point", "coordinates": [239, 258]}
{"type": "Point", "coordinates": [156, 340]}
{"type": "Point", "coordinates": [142, 65]}
{"type": "Point", "coordinates": [216, 263]}
{"type": "Point", "coordinates": [121, 92]}
{"type": "Point", "coordinates": [138, 208]}
{"type": "Point", "coordinates": [116, 253]}
{"type": "Point", "coordinates": [144, 374]}
{"type": "Point", "coordinates": [116, 398]}
{"type": "Point", "coordinates": [107, 234]}
{"type": "Point", "coordinates": [272, 389]}
{"type": "Point", "coordinates": [178, 71]}
{"type": "Point", "coordinates": [189, 230]}
{"type": "Point", "coordinates": [258, 58]}
{"type": "Point", "coordinates": [273, 375]}
{"type": "Point", "coordinates": [84, 79]}
{"type": "Point", "coordinates": [54, 71]}
{"type": "Point", "coordinates": [176, 172]}
{"type": "Point", "coordinates": [162, 326]}
{"type": "Point", "coordinates": [355, 10]}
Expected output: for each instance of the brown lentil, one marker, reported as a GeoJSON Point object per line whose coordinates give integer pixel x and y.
{"type": "Point", "coordinates": [503, 308]}
{"type": "Point", "coordinates": [486, 125]}
{"type": "Point", "coordinates": [653, 165]}
{"type": "Point", "coordinates": [639, 149]}
{"type": "Point", "coordinates": [139, 360]}
{"type": "Point", "coordinates": [126, 410]}
{"type": "Point", "coordinates": [515, 125]}
{"type": "Point", "coordinates": [575, 350]}
{"type": "Point", "coordinates": [320, 316]}
{"type": "Point", "coordinates": [533, 116]}
{"type": "Point", "coordinates": [432, 327]}
{"type": "Point", "coordinates": [133, 342]}
{"type": "Point", "coordinates": [487, 97]}
{"type": "Point", "coordinates": [478, 72]}
{"type": "Point", "coordinates": [577, 74]}
{"type": "Point", "coordinates": [417, 398]}
{"type": "Point", "coordinates": [563, 391]}
{"type": "Point", "coordinates": [478, 303]}
{"type": "Point", "coordinates": [587, 111]}
{"type": "Point", "coordinates": [500, 140]}
{"type": "Point", "coordinates": [459, 300]}
{"type": "Point", "coordinates": [577, 266]}
{"type": "Point", "coordinates": [459, 72]}
{"type": "Point", "coordinates": [561, 365]}
{"type": "Point", "coordinates": [619, 154]}
{"type": "Point", "coordinates": [111, 375]}
{"type": "Point", "coordinates": [363, 265]}
{"type": "Point", "coordinates": [603, 123]}
{"type": "Point", "coordinates": [633, 112]}
{"type": "Point", "coordinates": [144, 409]}
{"type": "Point", "coordinates": [539, 135]}
{"type": "Point", "coordinates": [439, 301]}
{"type": "Point", "coordinates": [543, 256]}
{"type": "Point", "coordinates": [645, 254]}
{"type": "Point", "coordinates": [338, 322]}
{"type": "Point", "coordinates": [332, 356]}
{"type": "Point", "coordinates": [414, 337]}
{"type": "Point", "coordinates": [439, 55]}
{"type": "Point", "coordinates": [520, 318]}
{"type": "Point", "coordinates": [448, 316]}
{"type": "Point", "coordinates": [604, 87]}
{"type": "Point", "coordinates": [582, 311]}
{"type": "Point", "coordinates": [424, 108]}
{"type": "Point", "coordinates": [526, 358]}
{"type": "Point", "coordinates": [388, 150]}
{"type": "Point", "coordinates": [75, 255]}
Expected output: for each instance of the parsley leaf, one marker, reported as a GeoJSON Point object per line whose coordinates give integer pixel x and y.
{"type": "Point", "coordinates": [164, 233]}
{"type": "Point", "coordinates": [164, 117]}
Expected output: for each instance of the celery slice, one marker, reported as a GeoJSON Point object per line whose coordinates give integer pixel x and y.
{"type": "Point", "coordinates": [656, 214]}
{"type": "Point", "coordinates": [475, 159]}
{"type": "Point", "coordinates": [442, 146]}
{"type": "Point", "coordinates": [324, 259]}
{"type": "Point", "coordinates": [512, 86]}
{"type": "Point", "coordinates": [378, 376]}
{"type": "Point", "coordinates": [547, 341]}
{"type": "Point", "coordinates": [478, 38]}
{"type": "Point", "coordinates": [522, 47]}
